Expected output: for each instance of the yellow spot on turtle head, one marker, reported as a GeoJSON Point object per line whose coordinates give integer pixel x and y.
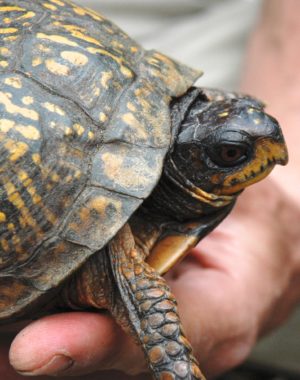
{"type": "Point", "coordinates": [77, 59]}
{"type": "Point", "coordinates": [2, 217]}
{"type": "Point", "coordinates": [257, 121]}
{"type": "Point", "coordinates": [27, 100]}
{"type": "Point", "coordinates": [13, 82]}
{"type": "Point", "coordinates": [53, 108]}
{"type": "Point", "coordinates": [250, 110]}
{"type": "Point", "coordinates": [57, 68]}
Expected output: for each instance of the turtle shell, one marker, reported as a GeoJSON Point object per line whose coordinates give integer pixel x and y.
{"type": "Point", "coordinates": [84, 129]}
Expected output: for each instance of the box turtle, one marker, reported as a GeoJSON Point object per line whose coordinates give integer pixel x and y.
{"type": "Point", "coordinates": [113, 165]}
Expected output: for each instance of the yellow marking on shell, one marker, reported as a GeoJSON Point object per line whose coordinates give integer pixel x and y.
{"type": "Point", "coordinates": [10, 226]}
{"type": "Point", "coordinates": [22, 175]}
{"type": "Point", "coordinates": [13, 82]}
{"type": "Point", "coordinates": [58, 2]}
{"type": "Point", "coordinates": [131, 107]}
{"type": "Point", "coordinates": [55, 177]}
{"type": "Point", "coordinates": [4, 64]}
{"type": "Point", "coordinates": [49, 6]}
{"type": "Point", "coordinates": [27, 15]}
{"type": "Point", "coordinates": [54, 108]}
{"type": "Point", "coordinates": [6, 125]}
{"type": "Point", "coordinates": [28, 131]}
{"type": "Point", "coordinates": [16, 149]}
{"type": "Point", "coordinates": [15, 198]}
{"type": "Point", "coordinates": [69, 27]}
{"type": "Point", "coordinates": [102, 117]}
{"type": "Point", "coordinates": [79, 129]}
{"type": "Point", "coordinates": [134, 49]}
{"type": "Point", "coordinates": [223, 114]}
{"type": "Point", "coordinates": [91, 135]}
{"type": "Point", "coordinates": [2, 217]}
{"type": "Point", "coordinates": [57, 68]}
{"type": "Point", "coordinates": [14, 109]}
{"type": "Point", "coordinates": [7, 20]}
{"type": "Point", "coordinates": [68, 131]}
{"type": "Point", "coordinates": [56, 38]}
{"type": "Point", "coordinates": [43, 48]}
{"type": "Point", "coordinates": [36, 61]}
{"type": "Point", "coordinates": [10, 38]}
{"type": "Point", "coordinates": [125, 71]}
{"type": "Point", "coordinates": [8, 30]}
{"type": "Point", "coordinates": [105, 77]}
{"type": "Point", "coordinates": [36, 198]}
{"type": "Point", "coordinates": [5, 245]}
{"type": "Point", "coordinates": [77, 59]}
{"type": "Point", "coordinates": [139, 129]}
{"type": "Point", "coordinates": [85, 11]}
{"type": "Point", "coordinates": [27, 100]}
{"type": "Point", "coordinates": [5, 51]}
{"type": "Point", "coordinates": [36, 158]}
{"type": "Point", "coordinates": [16, 241]}
{"type": "Point", "coordinates": [52, 218]}
{"type": "Point", "coordinates": [125, 176]}
{"type": "Point", "coordinates": [27, 182]}
{"type": "Point", "coordinates": [11, 9]}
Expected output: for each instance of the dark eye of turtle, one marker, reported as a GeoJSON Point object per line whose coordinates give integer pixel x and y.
{"type": "Point", "coordinates": [229, 154]}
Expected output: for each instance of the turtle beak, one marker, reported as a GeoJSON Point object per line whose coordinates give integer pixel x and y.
{"type": "Point", "coordinates": [268, 150]}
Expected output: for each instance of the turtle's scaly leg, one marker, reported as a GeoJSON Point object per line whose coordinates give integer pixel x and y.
{"type": "Point", "coordinates": [152, 312]}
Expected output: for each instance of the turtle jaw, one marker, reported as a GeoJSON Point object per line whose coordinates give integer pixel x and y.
{"type": "Point", "coordinates": [267, 153]}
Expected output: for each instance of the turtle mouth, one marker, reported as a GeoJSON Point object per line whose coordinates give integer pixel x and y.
{"type": "Point", "coordinates": [267, 154]}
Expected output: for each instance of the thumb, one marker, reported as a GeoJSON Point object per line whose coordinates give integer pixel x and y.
{"type": "Point", "coordinates": [72, 344]}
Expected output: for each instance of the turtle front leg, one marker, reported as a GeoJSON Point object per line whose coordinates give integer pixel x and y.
{"type": "Point", "coordinates": [152, 311]}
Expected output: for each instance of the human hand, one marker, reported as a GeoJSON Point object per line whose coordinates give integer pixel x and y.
{"type": "Point", "coordinates": [242, 281]}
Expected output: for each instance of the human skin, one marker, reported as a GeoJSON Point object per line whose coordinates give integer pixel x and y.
{"type": "Point", "coordinates": [241, 282]}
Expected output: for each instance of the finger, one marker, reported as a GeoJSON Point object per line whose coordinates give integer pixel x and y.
{"type": "Point", "coordinates": [74, 343]}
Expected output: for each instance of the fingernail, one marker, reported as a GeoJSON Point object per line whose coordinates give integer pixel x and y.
{"type": "Point", "coordinates": [55, 366]}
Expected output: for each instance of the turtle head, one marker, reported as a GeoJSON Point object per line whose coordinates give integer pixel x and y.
{"type": "Point", "coordinates": [225, 145]}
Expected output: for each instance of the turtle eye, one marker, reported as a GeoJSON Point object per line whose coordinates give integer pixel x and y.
{"type": "Point", "coordinates": [229, 154]}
